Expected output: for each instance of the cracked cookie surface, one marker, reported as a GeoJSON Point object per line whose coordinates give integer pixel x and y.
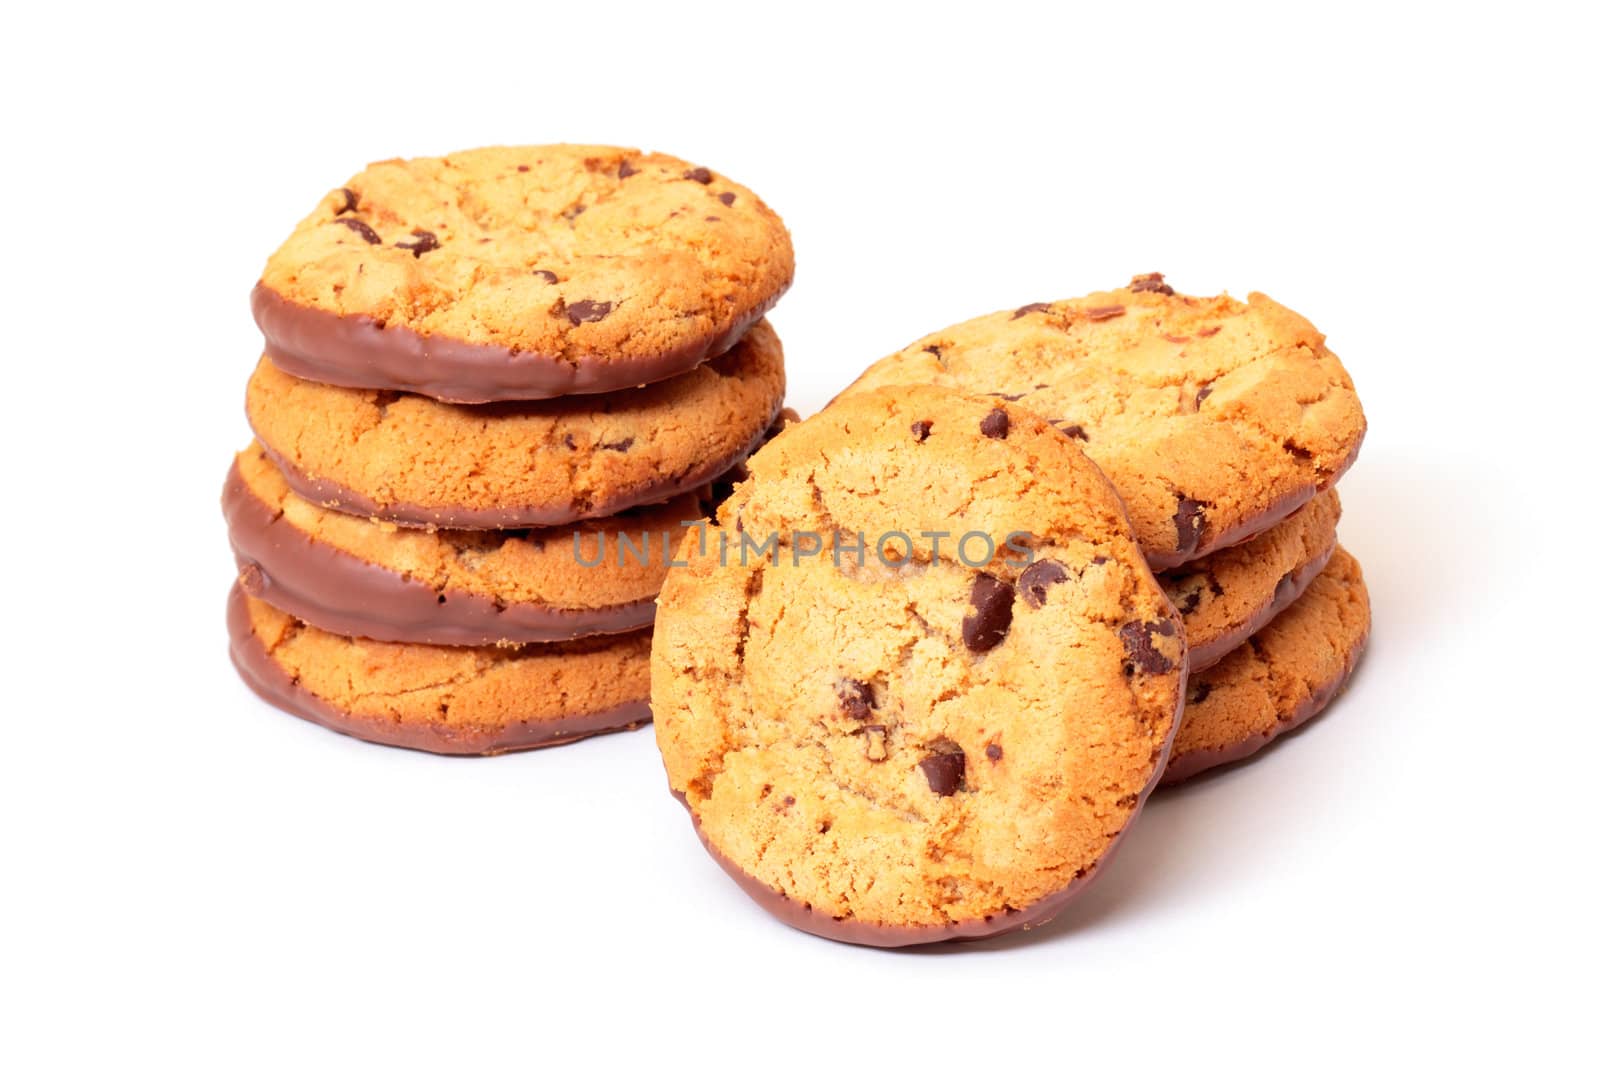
{"type": "Point", "coordinates": [416, 461]}
{"type": "Point", "coordinates": [510, 273]}
{"type": "Point", "coordinates": [457, 700]}
{"type": "Point", "coordinates": [890, 749]}
{"type": "Point", "coordinates": [1280, 679]}
{"type": "Point", "coordinates": [1214, 418]}
{"type": "Point", "coordinates": [1233, 593]}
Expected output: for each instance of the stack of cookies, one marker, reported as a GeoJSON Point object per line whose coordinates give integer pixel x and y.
{"type": "Point", "coordinates": [495, 388]}
{"type": "Point", "coordinates": [1223, 425]}
{"type": "Point", "coordinates": [965, 746]}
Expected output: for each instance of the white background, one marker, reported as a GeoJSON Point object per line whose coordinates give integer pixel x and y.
{"type": "Point", "coordinates": [201, 890]}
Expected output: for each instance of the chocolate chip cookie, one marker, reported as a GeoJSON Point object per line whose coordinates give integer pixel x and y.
{"type": "Point", "coordinates": [512, 273]}
{"type": "Point", "coordinates": [413, 460]}
{"type": "Point", "coordinates": [1214, 418]}
{"type": "Point", "coordinates": [930, 696]}
{"type": "Point", "coordinates": [464, 701]}
{"type": "Point", "coordinates": [359, 576]}
{"type": "Point", "coordinates": [1231, 594]}
{"type": "Point", "coordinates": [1284, 676]}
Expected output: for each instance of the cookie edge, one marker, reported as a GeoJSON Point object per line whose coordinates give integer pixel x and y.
{"type": "Point", "coordinates": [268, 681]}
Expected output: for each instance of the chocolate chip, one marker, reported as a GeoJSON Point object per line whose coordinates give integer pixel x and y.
{"type": "Point", "coordinates": [626, 170]}
{"type": "Point", "coordinates": [569, 442]}
{"type": "Point", "coordinates": [1198, 691]}
{"type": "Point", "coordinates": [1190, 602]}
{"type": "Point", "coordinates": [996, 425]}
{"type": "Point", "coordinates": [1011, 398]}
{"type": "Point", "coordinates": [1031, 308]}
{"type": "Point", "coordinates": [726, 198]}
{"type": "Point", "coordinates": [366, 232]}
{"type": "Point", "coordinates": [1190, 521]}
{"type": "Point", "coordinates": [546, 275]}
{"type": "Point", "coordinates": [699, 174]}
{"type": "Point", "coordinates": [922, 429]}
{"type": "Point", "coordinates": [1138, 639]}
{"type": "Point", "coordinates": [351, 199]}
{"type": "Point", "coordinates": [946, 771]}
{"type": "Point", "coordinates": [587, 310]}
{"type": "Point", "coordinates": [1151, 281]}
{"type": "Point", "coordinates": [936, 351]}
{"type": "Point", "coordinates": [1037, 578]}
{"type": "Point", "coordinates": [1200, 395]}
{"type": "Point", "coordinates": [1104, 313]}
{"type": "Point", "coordinates": [423, 242]}
{"type": "Point", "coordinates": [1073, 431]}
{"type": "Point", "coordinates": [993, 752]}
{"type": "Point", "coordinates": [877, 743]}
{"type": "Point", "coordinates": [574, 212]}
{"type": "Point", "coordinates": [856, 699]}
{"type": "Point", "coordinates": [991, 613]}
{"type": "Point", "coordinates": [621, 445]}
{"type": "Point", "coordinates": [522, 169]}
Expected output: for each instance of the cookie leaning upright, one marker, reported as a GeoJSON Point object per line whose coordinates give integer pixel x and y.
{"type": "Point", "coordinates": [916, 737]}
{"type": "Point", "coordinates": [1214, 418]}
{"type": "Point", "coordinates": [519, 273]}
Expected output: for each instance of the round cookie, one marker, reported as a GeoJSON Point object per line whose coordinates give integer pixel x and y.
{"type": "Point", "coordinates": [513, 273]}
{"type": "Point", "coordinates": [1233, 593]}
{"type": "Point", "coordinates": [416, 461]}
{"type": "Point", "coordinates": [926, 738]}
{"type": "Point", "coordinates": [1214, 418]}
{"type": "Point", "coordinates": [1280, 679]}
{"type": "Point", "coordinates": [462, 701]}
{"type": "Point", "coordinates": [360, 576]}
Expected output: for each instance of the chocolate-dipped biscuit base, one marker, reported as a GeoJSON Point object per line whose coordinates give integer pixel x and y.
{"type": "Point", "coordinates": [1283, 677]}
{"type": "Point", "coordinates": [360, 351]}
{"type": "Point", "coordinates": [355, 576]}
{"type": "Point", "coordinates": [1231, 594]}
{"type": "Point", "coordinates": [521, 273]}
{"type": "Point", "coordinates": [415, 461]}
{"type": "Point", "coordinates": [452, 701]}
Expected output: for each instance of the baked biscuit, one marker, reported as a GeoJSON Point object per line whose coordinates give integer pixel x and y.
{"type": "Point", "coordinates": [945, 734]}
{"type": "Point", "coordinates": [458, 700]}
{"type": "Point", "coordinates": [1283, 677]}
{"type": "Point", "coordinates": [511, 273]}
{"type": "Point", "coordinates": [1214, 418]}
{"type": "Point", "coordinates": [409, 459]}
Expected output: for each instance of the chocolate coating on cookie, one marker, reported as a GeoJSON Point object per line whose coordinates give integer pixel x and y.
{"type": "Point", "coordinates": [1231, 594]}
{"type": "Point", "coordinates": [416, 461]}
{"type": "Point", "coordinates": [353, 576]}
{"type": "Point", "coordinates": [1282, 678]}
{"type": "Point", "coordinates": [521, 274]}
{"type": "Point", "coordinates": [454, 701]}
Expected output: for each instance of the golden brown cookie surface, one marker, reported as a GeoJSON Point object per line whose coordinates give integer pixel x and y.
{"type": "Point", "coordinates": [1229, 595]}
{"type": "Point", "coordinates": [409, 459]}
{"type": "Point", "coordinates": [1214, 418]}
{"type": "Point", "coordinates": [512, 273]}
{"type": "Point", "coordinates": [465, 701]}
{"type": "Point", "coordinates": [1285, 675]}
{"type": "Point", "coordinates": [887, 747]}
